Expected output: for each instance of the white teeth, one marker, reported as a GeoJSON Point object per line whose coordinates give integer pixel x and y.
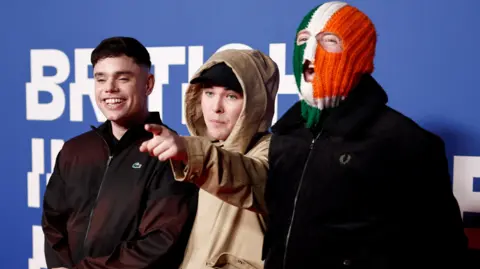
{"type": "Point", "coordinates": [111, 101]}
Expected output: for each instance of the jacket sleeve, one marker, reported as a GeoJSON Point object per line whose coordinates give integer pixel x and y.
{"type": "Point", "coordinates": [54, 221]}
{"type": "Point", "coordinates": [166, 221]}
{"type": "Point", "coordinates": [235, 178]}
{"type": "Point", "coordinates": [437, 216]}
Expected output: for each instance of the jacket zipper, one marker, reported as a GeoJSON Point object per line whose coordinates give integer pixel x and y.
{"type": "Point", "coordinates": [110, 157]}
{"type": "Point", "coordinates": [296, 199]}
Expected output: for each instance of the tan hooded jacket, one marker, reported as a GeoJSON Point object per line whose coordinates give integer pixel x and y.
{"type": "Point", "coordinates": [235, 170]}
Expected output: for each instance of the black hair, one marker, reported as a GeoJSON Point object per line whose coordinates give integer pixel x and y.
{"type": "Point", "coordinates": [118, 46]}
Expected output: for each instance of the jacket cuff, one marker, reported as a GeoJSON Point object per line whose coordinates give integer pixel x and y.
{"type": "Point", "coordinates": [178, 169]}
{"type": "Point", "coordinates": [196, 157]}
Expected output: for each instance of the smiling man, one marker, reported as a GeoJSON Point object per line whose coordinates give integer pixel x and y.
{"type": "Point", "coordinates": [108, 205]}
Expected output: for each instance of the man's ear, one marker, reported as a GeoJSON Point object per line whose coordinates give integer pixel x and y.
{"type": "Point", "coordinates": [150, 83]}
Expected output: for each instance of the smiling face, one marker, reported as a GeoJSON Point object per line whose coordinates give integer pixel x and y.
{"type": "Point", "coordinates": [221, 108]}
{"type": "Point", "coordinates": [121, 89]}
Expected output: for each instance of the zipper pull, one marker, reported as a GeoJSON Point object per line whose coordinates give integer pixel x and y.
{"type": "Point", "coordinates": [109, 160]}
{"type": "Point", "coordinates": [315, 138]}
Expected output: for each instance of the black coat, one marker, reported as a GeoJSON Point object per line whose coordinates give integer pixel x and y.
{"type": "Point", "coordinates": [112, 206]}
{"type": "Point", "coordinates": [370, 190]}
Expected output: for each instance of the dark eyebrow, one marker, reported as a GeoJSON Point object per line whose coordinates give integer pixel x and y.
{"type": "Point", "coordinates": [99, 74]}
{"type": "Point", "coordinates": [119, 73]}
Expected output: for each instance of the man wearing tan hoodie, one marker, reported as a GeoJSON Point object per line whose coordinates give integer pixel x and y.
{"type": "Point", "coordinates": [229, 109]}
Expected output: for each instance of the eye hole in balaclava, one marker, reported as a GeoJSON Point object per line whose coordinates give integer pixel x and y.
{"type": "Point", "coordinates": [335, 73]}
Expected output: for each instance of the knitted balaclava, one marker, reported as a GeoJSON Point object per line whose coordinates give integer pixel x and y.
{"type": "Point", "coordinates": [335, 74]}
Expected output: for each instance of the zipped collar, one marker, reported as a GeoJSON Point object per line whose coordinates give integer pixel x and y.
{"type": "Point", "coordinates": [364, 101]}
{"type": "Point", "coordinates": [131, 136]}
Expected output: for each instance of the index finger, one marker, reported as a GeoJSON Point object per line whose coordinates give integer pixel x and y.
{"type": "Point", "coordinates": [155, 129]}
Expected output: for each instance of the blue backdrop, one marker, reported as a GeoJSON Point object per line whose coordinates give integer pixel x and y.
{"type": "Point", "coordinates": [426, 60]}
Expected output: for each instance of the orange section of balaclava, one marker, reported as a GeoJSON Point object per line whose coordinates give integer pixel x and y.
{"type": "Point", "coordinates": [337, 73]}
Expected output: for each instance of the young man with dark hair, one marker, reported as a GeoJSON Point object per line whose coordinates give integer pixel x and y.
{"type": "Point", "coordinates": [108, 205]}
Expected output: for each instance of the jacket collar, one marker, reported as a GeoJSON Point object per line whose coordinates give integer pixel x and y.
{"type": "Point", "coordinates": [131, 136]}
{"type": "Point", "coordinates": [364, 101]}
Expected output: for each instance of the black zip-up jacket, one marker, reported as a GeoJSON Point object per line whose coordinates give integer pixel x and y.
{"type": "Point", "coordinates": [369, 189]}
{"type": "Point", "coordinates": [108, 205]}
